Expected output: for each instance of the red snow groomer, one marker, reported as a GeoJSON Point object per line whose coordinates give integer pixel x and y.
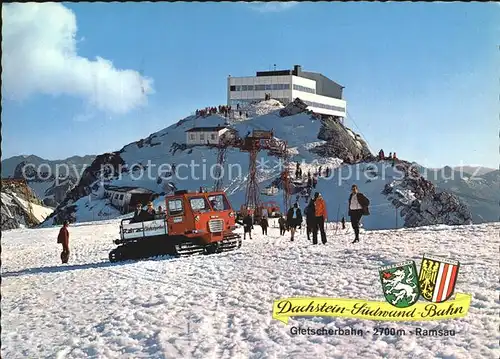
{"type": "Point", "coordinates": [193, 223]}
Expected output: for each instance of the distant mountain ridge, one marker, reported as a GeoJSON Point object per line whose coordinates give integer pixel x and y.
{"type": "Point", "coordinates": [481, 192]}
{"type": "Point", "coordinates": [41, 174]}
{"type": "Point", "coordinates": [466, 169]}
{"type": "Point", "coordinates": [9, 164]}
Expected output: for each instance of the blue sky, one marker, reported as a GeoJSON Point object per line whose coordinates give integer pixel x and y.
{"type": "Point", "coordinates": [421, 79]}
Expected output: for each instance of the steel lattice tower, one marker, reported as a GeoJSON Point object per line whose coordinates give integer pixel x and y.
{"type": "Point", "coordinates": [260, 140]}
{"type": "Point", "coordinates": [252, 193]}
{"type": "Point", "coordinates": [221, 159]}
{"type": "Point", "coordinates": [287, 193]}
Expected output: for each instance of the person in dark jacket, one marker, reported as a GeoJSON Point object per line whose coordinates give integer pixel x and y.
{"type": "Point", "coordinates": [63, 238]}
{"type": "Point", "coordinates": [150, 212]}
{"type": "Point", "coordinates": [310, 213]}
{"type": "Point", "coordinates": [282, 224]}
{"type": "Point", "coordinates": [247, 226]}
{"type": "Point", "coordinates": [357, 208]}
{"type": "Point", "coordinates": [294, 219]}
{"type": "Point", "coordinates": [264, 224]}
{"type": "Point", "coordinates": [138, 214]}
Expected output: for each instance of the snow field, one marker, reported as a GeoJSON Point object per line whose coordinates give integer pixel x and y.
{"type": "Point", "coordinates": [220, 306]}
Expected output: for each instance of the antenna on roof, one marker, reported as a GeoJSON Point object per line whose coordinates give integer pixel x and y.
{"type": "Point", "coordinates": [274, 67]}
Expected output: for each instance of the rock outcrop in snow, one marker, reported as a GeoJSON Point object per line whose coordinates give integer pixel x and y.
{"type": "Point", "coordinates": [107, 165]}
{"type": "Point", "coordinates": [294, 108]}
{"type": "Point", "coordinates": [49, 189]}
{"type": "Point", "coordinates": [261, 108]}
{"type": "Point", "coordinates": [49, 179]}
{"type": "Point", "coordinates": [341, 142]}
{"type": "Point", "coordinates": [16, 200]}
{"type": "Point", "coordinates": [427, 206]}
{"type": "Point", "coordinates": [56, 194]}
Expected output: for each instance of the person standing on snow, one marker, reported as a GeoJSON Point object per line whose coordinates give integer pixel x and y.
{"type": "Point", "coordinates": [321, 215]}
{"type": "Point", "coordinates": [358, 206]}
{"type": "Point", "coordinates": [63, 238]}
{"type": "Point", "coordinates": [294, 219]}
{"type": "Point", "coordinates": [247, 224]}
{"type": "Point", "coordinates": [282, 224]}
{"type": "Point", "coordinates": [264, 224]}
{"type": "Point", "coordinates": [310, 218]}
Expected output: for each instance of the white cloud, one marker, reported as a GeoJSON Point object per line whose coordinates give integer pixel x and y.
{"type": "Point", "coordinates": [273, 6]}
{"type": "Point", "coordinates": [39, 55]}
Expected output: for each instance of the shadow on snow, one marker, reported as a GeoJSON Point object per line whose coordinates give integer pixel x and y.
{"type": "Point", "coordinates": [64, 268]}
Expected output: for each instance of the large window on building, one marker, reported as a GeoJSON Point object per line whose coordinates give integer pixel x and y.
{"type": "Point", "coordinates": [270, 87]}
{"type": "Point", "coordinates": [303, 88]}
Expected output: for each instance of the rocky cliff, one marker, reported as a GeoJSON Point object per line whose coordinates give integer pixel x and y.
{"type": "Point", "coordinates": [104, 166]}
{"type": "Point", "coordinates": [20, 207]}
{"type": "Point", "coordinates": [427, 206]}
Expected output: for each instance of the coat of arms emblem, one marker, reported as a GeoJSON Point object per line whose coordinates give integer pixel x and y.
{"type": "Point", "coordinates": [437, 278]}
{"type": "Point", "coordinates": [400, 284]}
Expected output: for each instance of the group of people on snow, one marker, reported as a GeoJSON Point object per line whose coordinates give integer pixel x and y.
{"type": "Point", "coordinates": [392, 157]}
{"type": "Point", "coordinates": [316, 215]}
{"type": "Point", "coordinates": [223, 110]}
{"type": "Point", "coordinates": [299, 174]}
{"type": "Point", "coordinates": [207, 111]}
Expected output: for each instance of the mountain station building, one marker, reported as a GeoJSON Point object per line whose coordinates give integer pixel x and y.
{"type": "Point", "coordinates": [322, 95]}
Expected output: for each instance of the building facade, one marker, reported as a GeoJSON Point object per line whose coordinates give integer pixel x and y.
{"type": "Point", "coordinates": [321, 94]}
{"type": "Point", "coordinates": [205, 135]}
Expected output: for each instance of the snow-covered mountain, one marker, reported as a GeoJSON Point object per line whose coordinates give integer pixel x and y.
{"type": "Point", "coordinates": [50, 179]}
{"type": "Point", "coordinates": [20, 207]}
{"type": "Point", "coordinates": [396, 199]}
{"type": "Point", "coordinates": [220, 306]}
{"type": "Point", "coordinates": [480, 192]}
